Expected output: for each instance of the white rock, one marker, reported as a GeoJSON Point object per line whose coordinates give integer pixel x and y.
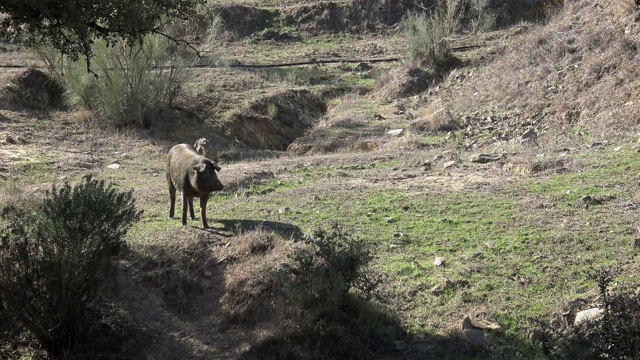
{"type": "Point", "coordinates": [114, 166]}
{"type": "Point", "coordinates": [439, 261]}
{"type": "Point", "coordinates": [395, 132]}
{"type": "Point", "coordinates": [588, 315]}
{"type": "Point", "coordinates": [449, 164]}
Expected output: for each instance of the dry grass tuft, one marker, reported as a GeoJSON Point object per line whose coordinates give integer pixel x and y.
{"type": "Point", "coordinates": [176, 267]}
{"type": "Point", "coordinates": [403, 82]}
{"type": "Point", "coordinates": [435, 117]}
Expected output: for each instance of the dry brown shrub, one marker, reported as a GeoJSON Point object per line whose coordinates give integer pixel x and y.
{"type": "Point", "coordinates": [249, 244]}
{"type": "Point", "coordinates": [33, 89]}
{"type": "Point", "coordinates": [435, 117]}
{"type": "Point", "coordinates": [580, 69]}
{"type": "Point", "coordinates": [243, 20]}
{"type": "Point", "coordinates": [403, 82]}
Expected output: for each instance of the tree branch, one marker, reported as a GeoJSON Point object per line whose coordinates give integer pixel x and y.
{"type": "Point", "coordinates": [178, 41]}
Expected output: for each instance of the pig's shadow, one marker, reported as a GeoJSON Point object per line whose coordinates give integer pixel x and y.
{"type": "Point", "coordinates": [234, 226]}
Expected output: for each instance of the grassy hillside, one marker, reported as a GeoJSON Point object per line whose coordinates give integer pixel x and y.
{"type": "Point", "coordinates": [512, 180]}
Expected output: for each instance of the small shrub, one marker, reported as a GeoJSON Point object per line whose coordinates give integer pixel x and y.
{"type": "Point", "coordinates": [54, 261]}
{"type": "Point", "coordinates": [615, 336]}
{"type": "Point", "coordinates": [272, 110]}
{"type": "Point", "coordinates": [317, 292]}
{"type": "Point", "coordinates": [429, 35]}
{"type": "Point", "coordinates": [129, 81]}
{"type": "Point", "coordinates": [338, 260]}
{"type": "Point", "coordinates": [33, 89]}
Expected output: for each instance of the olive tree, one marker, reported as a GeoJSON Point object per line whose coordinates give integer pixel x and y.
{"type": "Point", "coordinates": [72, 26]}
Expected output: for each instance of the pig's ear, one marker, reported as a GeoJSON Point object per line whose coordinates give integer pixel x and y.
{"type": "Point", "coordinates": [217, 167]}
{"type": "Point", "coordinates": [199, 167]}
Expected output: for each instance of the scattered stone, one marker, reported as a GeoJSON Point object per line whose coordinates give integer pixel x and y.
{"type": "Point", "coordinates": [485, 158]}
{"type": "Point", "coordinates": [284, 210]}
{"type": "Point", "coordinates": [10, 140]}
{"type": "Point", "coordinates": [617, 148]}
{"type": "Point", "coordinates": [395, 132]}
{"type": "Point", "coordinates": [529, 135]}
{"type": "Point", "coordinates": [378, 116]}
{"type": "Point", "coordinates": [440, 288]}
{"type": "Point", "coordinates": [155, 174]}
{"type": "Point", "coordinates": [439, 261]}
{"type": "Point", "coordinates": [207, 274]}
{"type": "Point", "coordinates": [389, 219]}
{"type": "Point", "coordinates": [450, 154]}
{"type": "Point", "coordinates": [449, 164]}
{"type": "Point", "coordinates": [483, 324]}
{"type": "Point", "coordinates": [588, 315]}
{"type": "Point", "coordinates": [114, 166]}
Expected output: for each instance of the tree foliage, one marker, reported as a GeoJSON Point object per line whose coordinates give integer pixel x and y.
{"type": "Point", "coordinates": [72, 26]}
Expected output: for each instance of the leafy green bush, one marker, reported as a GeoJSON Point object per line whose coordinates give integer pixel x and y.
{"type": "Point", "coordinates": [428, 35]}
{"type": "Point", "coordinates": [55, 261]}
{"type": "Point", "coordinates": [127, 83]}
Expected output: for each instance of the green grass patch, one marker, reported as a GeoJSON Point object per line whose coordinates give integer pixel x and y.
{"type": "Point", "coordinates": [33, 171]}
